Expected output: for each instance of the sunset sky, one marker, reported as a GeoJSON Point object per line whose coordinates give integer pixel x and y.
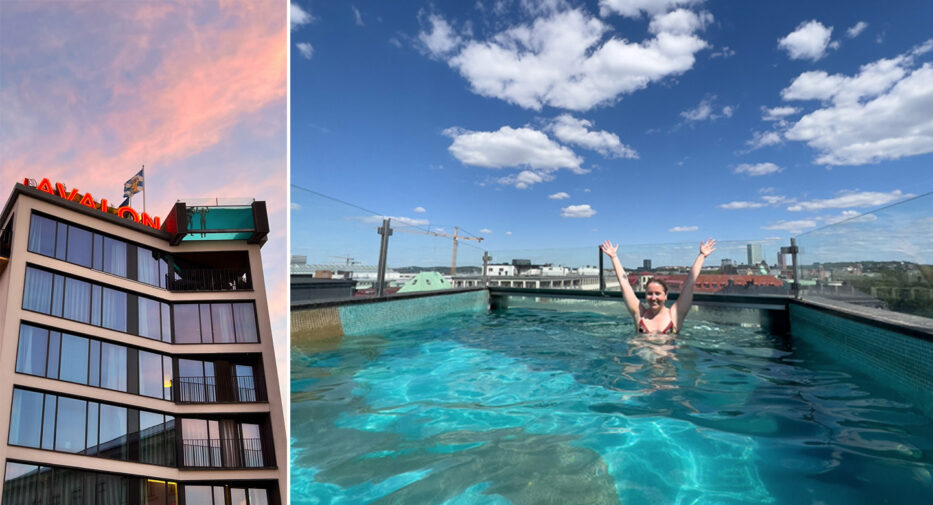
{"type": "Point", "coordinates": [195, 91]}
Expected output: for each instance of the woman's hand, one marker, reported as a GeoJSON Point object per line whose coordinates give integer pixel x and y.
{"type": "Point", "coordinates": [707, 248]}
{"type": "Point", "coordinates": [609, 249]}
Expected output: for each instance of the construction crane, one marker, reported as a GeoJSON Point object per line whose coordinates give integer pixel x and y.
{"type": "Point", "coordinates": [349, 259]}
{"type": "Point", "coordinates": [456, 236]}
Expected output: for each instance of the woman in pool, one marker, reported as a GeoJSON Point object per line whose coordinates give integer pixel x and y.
{"type": "Point", "coordinates": [655, 317]}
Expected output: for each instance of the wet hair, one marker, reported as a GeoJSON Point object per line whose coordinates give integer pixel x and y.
{"type": "Point", "coordinates": [655, 280]}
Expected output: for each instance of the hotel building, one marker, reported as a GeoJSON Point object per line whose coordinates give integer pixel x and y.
{"type": "Point", "coordinates": [136, 356]}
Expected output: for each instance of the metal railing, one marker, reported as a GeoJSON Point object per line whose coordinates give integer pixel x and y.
{"type": "Point", "coordinates": [208, 279]}
{"type": "Point", "coordinates": [223, 453]}
{"type": "Point", "coordinates": [247, 389]}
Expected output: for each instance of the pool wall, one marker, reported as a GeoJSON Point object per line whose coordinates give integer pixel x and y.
{"type": "Point", "coordinates": [903, 359]}
{"type": "Point", "coordinates": [372, 316]}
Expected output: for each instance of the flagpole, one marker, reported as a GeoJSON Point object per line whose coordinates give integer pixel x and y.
{"type": "Point", "coordinates": [143, 171]}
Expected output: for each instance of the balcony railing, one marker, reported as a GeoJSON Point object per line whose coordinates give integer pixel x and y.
{"type": "Point", "coordinates": [208, 279]}
{"type": "Point", "coordinates": [222, 389]}
{"type": "Point", "coordinates": [226, 453]}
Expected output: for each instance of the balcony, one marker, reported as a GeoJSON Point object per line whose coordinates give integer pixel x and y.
{"type": "Point", "coordinates": [236, 453]}
{"type": "Point", "coordinates": [249, 389]}
{"type": "Point", "coordinates": [208, 279]}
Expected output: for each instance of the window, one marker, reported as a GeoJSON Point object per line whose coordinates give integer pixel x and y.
{"type": "Point", "coordinates": [70, 428]}
{"type": "Point", "coordinates": [150, 318]}
{"type": "Point", "coordinates": [112, 366]}
{"type": "Point", "coordinates": [42, 235]}
{"type": "Point", "coordinates": [150, 374]}
{"type": "Point", "coordinates": [215, 322]}
{"type": "Point", "coordinates": [31, 354]}
{"type": "Point", "coordinates": [36, 294]}
{"type": "Point", "coordinates": [244, 318]}
{"type": "Point", "coordinates": [26, 484]}
{"type": "Point", "coordinates": [113, 312]}
{"type": "Point", "coordinates": [79, 246]}
{"type": "Point", "coordinates": [74, 369]}
{"type": "Point", "coordinates": [26, 418]}
{"type": "Point", "coordinates": [114, 257]}
{"type": "Point", "coordinates": [187, 328]}
{"type": "Point", "coordinates": [112, 432]}
{"type": "Point", "coordinates": [148, 266]}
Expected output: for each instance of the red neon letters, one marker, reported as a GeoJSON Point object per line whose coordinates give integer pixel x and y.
{"type": "Point", "coordinates": [88, 201]}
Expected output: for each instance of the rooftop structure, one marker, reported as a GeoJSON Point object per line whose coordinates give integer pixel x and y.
{"type": "Point", "coordinates": [136, 354]}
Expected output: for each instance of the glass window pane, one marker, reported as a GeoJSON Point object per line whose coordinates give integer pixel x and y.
{"type": "Point", "coordinates": [70, 430]}
{"type": "Point", "coordinates": [206, 326]}
{"type": "Point", "coordinates": [148, 266]}
{"type": "Point", "coordinates": [51, 370]}
{"type": "Point", "coordinates": [150, 318]}
{"type": "Point", "coordinates": [98, 252]}
{"type": "Point", "coordinates": [244, 317]}
{"type": "Point", "coordinates": [79, 246]}
{"type": "Point", "coordinates": [163, 272]}
{"type": "Point", "coordinates": [150, 374]}
{"type": "Point", "coordinates": [61, 243]}
{"type": "Point", "coordinates": [111, 489]}
{"type": "Point", "coordinates": [168, 378]}
{"type": "Point", "coordinates": [68, 487]}
{"type": "Point", "coordinates": [114, 257]}
{"type": "Point", "coordinates": [113, 432]}
{"type": "Point", "coordinates": [258, 497]}
{"type": "Point", "coordinates": [93, 409]}
{"type": "Point", "coordinates": [74, 368]}
{"type": "Point", "coordinates": [95, 304]}
{"type": "Point", "coordinates": [190, 381]}
{"type": "Point", "coordinates": [237, 496]}
{"type": "Point", "coordinates": [222, 319]}
{"type": "Point", "coordinates": [112, 366]}
{"type": "Point", "coordinates": [58, 294]}
{"type": "Point", "coordinates": [198, 495]}
{"type": "Point", "coordinates": [26, 418]}
{"type": "Point", "coordinates": [187, 330]}
{"type": "Point", "coordinates": [36, 295]}
{"type": "Point", "coordinates": [48, 422]}
{"type": "Point", "coordinates": [20, 484]}
{"type": "Point", "coordinates": [219, 497]}
{"type": "Point", "coordinates": [252, 446]}
{"type": "Point", "coordinates": [42, 235]}
{"type": "Point", "coordinates": [93, 378]}
{"type": "Point", "coordinates": [153, 492]}
{"type": "Point", "coordinates": [31, 355]}
{"type": "Point", "coordinates": [195, 443]}
{"type": "Point", "coordinates": [246, 387]}
{"type": "Point", "coordinates": [152, 443]}
{"type": "Point", "coordinates": [77, 300]}
{"type": "Point", "coordinates": [114, 310]}
{"type": "Point", "coordinates": [166, 322]}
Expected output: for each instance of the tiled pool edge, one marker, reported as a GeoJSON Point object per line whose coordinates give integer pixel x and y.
{"type": "Point", "coordinates": [904, 360]}
{"type": "Point", "coordinates": [315, 323]}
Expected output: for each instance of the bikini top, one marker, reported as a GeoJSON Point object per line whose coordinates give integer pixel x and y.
{"type": "Point", "coordinates": [642, 328]}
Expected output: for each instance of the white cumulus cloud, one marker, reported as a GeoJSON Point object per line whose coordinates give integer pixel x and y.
{"type": "Point", "coordinates": [305, 49]}
{"type": "Point", "coordinates": [778, 113]}
{"type": "Point", "coordinates": [525, 179]}
{"type": "Point", "coordinates": [511, 147]}
{"type": "Point", "coordinates": [578, 131]}
{"type": "Point", "coordinates": [485, 231]}
{"type": "Point", "coordinates": [299, 16]}
{"type": "Point", "coordinates": [577, 211]}
{"type": "Point", "coordinates": [441, 39]}
{"type": "Point", "coordinates": [856, 29]}
{"type": "Point", "coordinates": [563, 59]}
{"type": "Point", "coordinates": [677, 229]}
{"type": "Point", "coordinates": [737, 205]}
{"type": "Point", "coordinates": [635, 8]}
{"type": "Point", "coordinates": [791, 226]}
{"type": "Point", "coordinates": [420, 210]}
{"type": "Point", "coordinates": [559, 196]}
{"type": "Point", "coordinates": [808, 42]}
{"type": "Point", "coordinates": [851, 199]}
{"type": "Point", "coordinates": [757, 169]}
{"type": "Point", "coordinates": [706, 110]}
{"type": "Point", "coordinates": [763, 139]}
{"type": "Point", "coordinates": [882, 113]}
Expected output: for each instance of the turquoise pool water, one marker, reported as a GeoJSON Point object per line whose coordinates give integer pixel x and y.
{"type": "Point", "coordinates": [539, 407]}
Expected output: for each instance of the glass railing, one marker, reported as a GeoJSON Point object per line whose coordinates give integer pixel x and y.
{"type": "Point", "coordinates": [881, 260]}
{"type": "Point", "coordinates": [336, 250]}
{"type": "Point", "coordinates": [747, 267]}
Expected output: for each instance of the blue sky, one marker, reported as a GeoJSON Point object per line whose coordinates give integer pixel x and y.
{"type": "Point", "coordinates": [561, 124]}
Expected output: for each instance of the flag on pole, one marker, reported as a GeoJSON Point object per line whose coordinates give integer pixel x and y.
{"type": "Point", "coordinates": [133, 185]}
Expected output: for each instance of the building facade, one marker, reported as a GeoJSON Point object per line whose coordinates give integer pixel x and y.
{"type": "Point", "coordinates": [136, 356]}
{"type": "Point", "coordinates": [754, 254]}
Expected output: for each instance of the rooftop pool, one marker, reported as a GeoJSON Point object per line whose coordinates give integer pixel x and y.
{"type": "Point", "coordinates": [530, 406]}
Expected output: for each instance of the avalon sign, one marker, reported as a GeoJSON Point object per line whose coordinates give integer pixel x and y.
{"type": "Point", "coordinates": [88, 201]}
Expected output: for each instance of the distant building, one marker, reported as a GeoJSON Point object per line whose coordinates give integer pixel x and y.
{"type": "Point", "coordinates": [781, 260]}
{"type": "Point", "coordinates": [646, 264]}
{"type": "Point", "coordinates": [754, 254]}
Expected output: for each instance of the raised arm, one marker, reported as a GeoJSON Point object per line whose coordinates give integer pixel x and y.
{"type": "Point", "coordinates": [631, 301]}
{"type": "Point", "coordinates": [685, 298]}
